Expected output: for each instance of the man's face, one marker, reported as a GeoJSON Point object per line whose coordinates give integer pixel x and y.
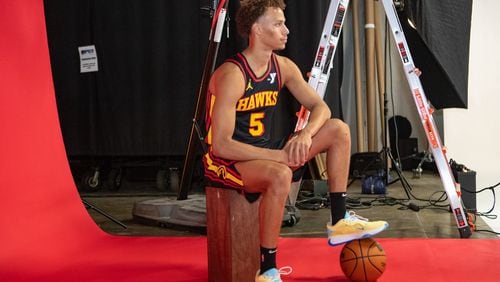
{"type": "Point", "coordinates": [272, 30]}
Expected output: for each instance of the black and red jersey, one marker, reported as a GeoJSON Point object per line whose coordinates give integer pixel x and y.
{"type": "Point", "coordinates": [255, 108]}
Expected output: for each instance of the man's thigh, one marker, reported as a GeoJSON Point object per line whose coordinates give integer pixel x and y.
{"type": "Point", "coordinates": [257, 175]}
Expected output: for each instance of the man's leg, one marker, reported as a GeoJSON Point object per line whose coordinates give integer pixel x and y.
{"type": "Point", "coordinates": [273, 180]}
{"type": "Point", "coordinates": [334, 138]}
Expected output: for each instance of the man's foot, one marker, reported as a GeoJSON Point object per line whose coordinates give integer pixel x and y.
{"type": "Point", "coordinates": [273, 274]}
{"type": "Point", "coordinates": [353, 227]}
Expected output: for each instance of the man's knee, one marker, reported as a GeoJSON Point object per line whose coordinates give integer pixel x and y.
{"type": "Point", "coordinates": [280, 178]}
{"type": "Point", "coordinates": [339, 130]}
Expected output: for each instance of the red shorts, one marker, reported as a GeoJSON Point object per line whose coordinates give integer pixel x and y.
{"type": "Point", "coordinates": [221, 173]}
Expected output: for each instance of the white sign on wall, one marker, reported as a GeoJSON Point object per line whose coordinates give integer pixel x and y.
{"type": "Point", "coordinates": [88, 58]}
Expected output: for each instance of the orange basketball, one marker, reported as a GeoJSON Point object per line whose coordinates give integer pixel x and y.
{"type": "Point", "coordinates": [363, 260]}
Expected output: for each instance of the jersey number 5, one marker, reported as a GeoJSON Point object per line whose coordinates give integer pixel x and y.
{"type": "Point", "coordinates": [256, 126]}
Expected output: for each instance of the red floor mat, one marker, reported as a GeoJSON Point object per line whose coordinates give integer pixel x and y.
{"type": "Point", "coordinates": [407, 260]}
{"type": "Point", "coordinates": [48, 235]}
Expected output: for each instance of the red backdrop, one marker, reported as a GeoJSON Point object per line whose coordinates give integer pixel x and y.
{"type": "Point", "coordinates": [47, 235]}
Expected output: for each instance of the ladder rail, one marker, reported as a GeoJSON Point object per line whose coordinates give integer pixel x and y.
{"type": "Point", "coordinates": [318, 80]}
{"type": "Point", "coordinates": [323, 61]}
{"type": "Point", "coordinates": [427, 120]}
{"type": "Point", "coordinates": [321, 69]}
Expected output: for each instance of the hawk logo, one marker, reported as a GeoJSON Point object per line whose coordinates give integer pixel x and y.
{"type": "Point", "coordinates": [221, 172]}
{"type": "Point", "coordinates": [249, 85]}
{"type": "Point", "coordinates": [271, 79]}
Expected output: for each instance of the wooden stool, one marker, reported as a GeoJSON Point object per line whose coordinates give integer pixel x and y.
{"type": "Point", "coordinates": [232, 235]}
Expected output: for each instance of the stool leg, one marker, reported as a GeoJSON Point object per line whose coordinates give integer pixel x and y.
{"type": "Point", "coordinates": [232, 236]}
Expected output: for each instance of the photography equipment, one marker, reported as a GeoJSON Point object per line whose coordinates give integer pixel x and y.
{"type": "Point", "coordinates": [365, 163]}
{"type": "Point", "coordinates": [374, 184]}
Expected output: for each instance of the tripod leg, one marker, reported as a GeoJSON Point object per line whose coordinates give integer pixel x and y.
{"type": "Point", "coordinates": [401, 177]}
{"type": "Point", "coordinates": [417, 172]}
{"type": "Point", "coordinates": [89, 206]}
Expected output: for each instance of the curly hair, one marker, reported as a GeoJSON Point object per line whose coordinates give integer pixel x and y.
{"type": "Point", "coordinates": [251, 10]}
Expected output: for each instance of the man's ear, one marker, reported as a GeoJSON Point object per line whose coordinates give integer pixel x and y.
{"type": "Point", "coordinates": [256, 28]}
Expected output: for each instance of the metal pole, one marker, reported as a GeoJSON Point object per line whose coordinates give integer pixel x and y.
{"type": "Point", "coordinates": [380, 65]}
{"type": "Point", "coordinates": [357, 77]}
{"type": "Point", "coordinates": [370, 74]}
{"type": "Point", "coordinates": [210, 60]}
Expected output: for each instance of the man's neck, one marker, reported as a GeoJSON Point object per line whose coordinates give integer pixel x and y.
{"type": "Point", "coordinates": [258, 58]}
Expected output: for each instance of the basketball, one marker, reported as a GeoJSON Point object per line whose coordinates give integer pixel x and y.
{"type": "Point", "coordinates": [362, 260]}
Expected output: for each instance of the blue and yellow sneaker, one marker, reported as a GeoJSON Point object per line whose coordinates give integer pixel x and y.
{"type": "Point", "coordinates": [273, 274]}
{"type": "Point", "coordinates": [353, 227]}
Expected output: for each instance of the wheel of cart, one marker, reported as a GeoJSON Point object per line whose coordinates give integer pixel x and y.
{"type": "Point", "coordinates": [90, 180]}
{"type": "Point", "coordinates": [115, 177]}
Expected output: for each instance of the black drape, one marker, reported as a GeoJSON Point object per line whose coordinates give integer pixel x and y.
{"type": "Point", "coordinates": [440, 47]}
{"type": "Point", "coordinates": [150, 54]}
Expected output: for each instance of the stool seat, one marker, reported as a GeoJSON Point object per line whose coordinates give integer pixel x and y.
{"type": "Point", "coordinates": [232, 236]}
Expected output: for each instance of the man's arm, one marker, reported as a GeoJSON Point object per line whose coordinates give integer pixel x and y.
{"type": "Point", "coordinates": [298, 147]}
{"type": "Point", "coordinates": [228, 84]}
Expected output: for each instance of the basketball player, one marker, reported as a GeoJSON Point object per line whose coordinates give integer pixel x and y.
{"type": "Point", "coordinates": [243, 94]}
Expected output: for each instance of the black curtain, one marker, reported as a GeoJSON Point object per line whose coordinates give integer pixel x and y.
{"type": "Point", "coordinates": [440, 47]}
{"type": "Point", "coordinates": [151, 54]}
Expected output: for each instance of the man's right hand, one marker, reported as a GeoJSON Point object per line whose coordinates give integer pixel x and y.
{"type": "Point", "coordinates": [297, 149]}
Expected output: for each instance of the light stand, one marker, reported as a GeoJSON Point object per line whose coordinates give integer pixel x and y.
{"type": "Point", "coordinates": [386, 151]}
{"type": "Point", "coordinates": [387, 155]}
{"type": "Point", "coordinates": [417, 172]}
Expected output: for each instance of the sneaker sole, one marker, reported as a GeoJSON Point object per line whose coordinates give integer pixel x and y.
{"type": "Point", "coordinates": [338, 240]}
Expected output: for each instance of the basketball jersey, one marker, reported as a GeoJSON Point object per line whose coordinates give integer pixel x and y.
{"type": "Point", "coordinates": [255, 108]}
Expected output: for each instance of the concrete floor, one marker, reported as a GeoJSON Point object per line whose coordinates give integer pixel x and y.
{"type": "Point", "coordinates": [428, 222]}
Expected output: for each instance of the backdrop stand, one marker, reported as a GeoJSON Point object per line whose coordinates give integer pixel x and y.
{"type": "Point", "coordinates": [103, 213]}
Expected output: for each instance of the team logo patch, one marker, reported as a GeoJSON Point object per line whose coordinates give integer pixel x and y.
{"type": "Point", "coordinates": [271, 79]}
{"type": "Point", "coordinates": [221, 172]}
